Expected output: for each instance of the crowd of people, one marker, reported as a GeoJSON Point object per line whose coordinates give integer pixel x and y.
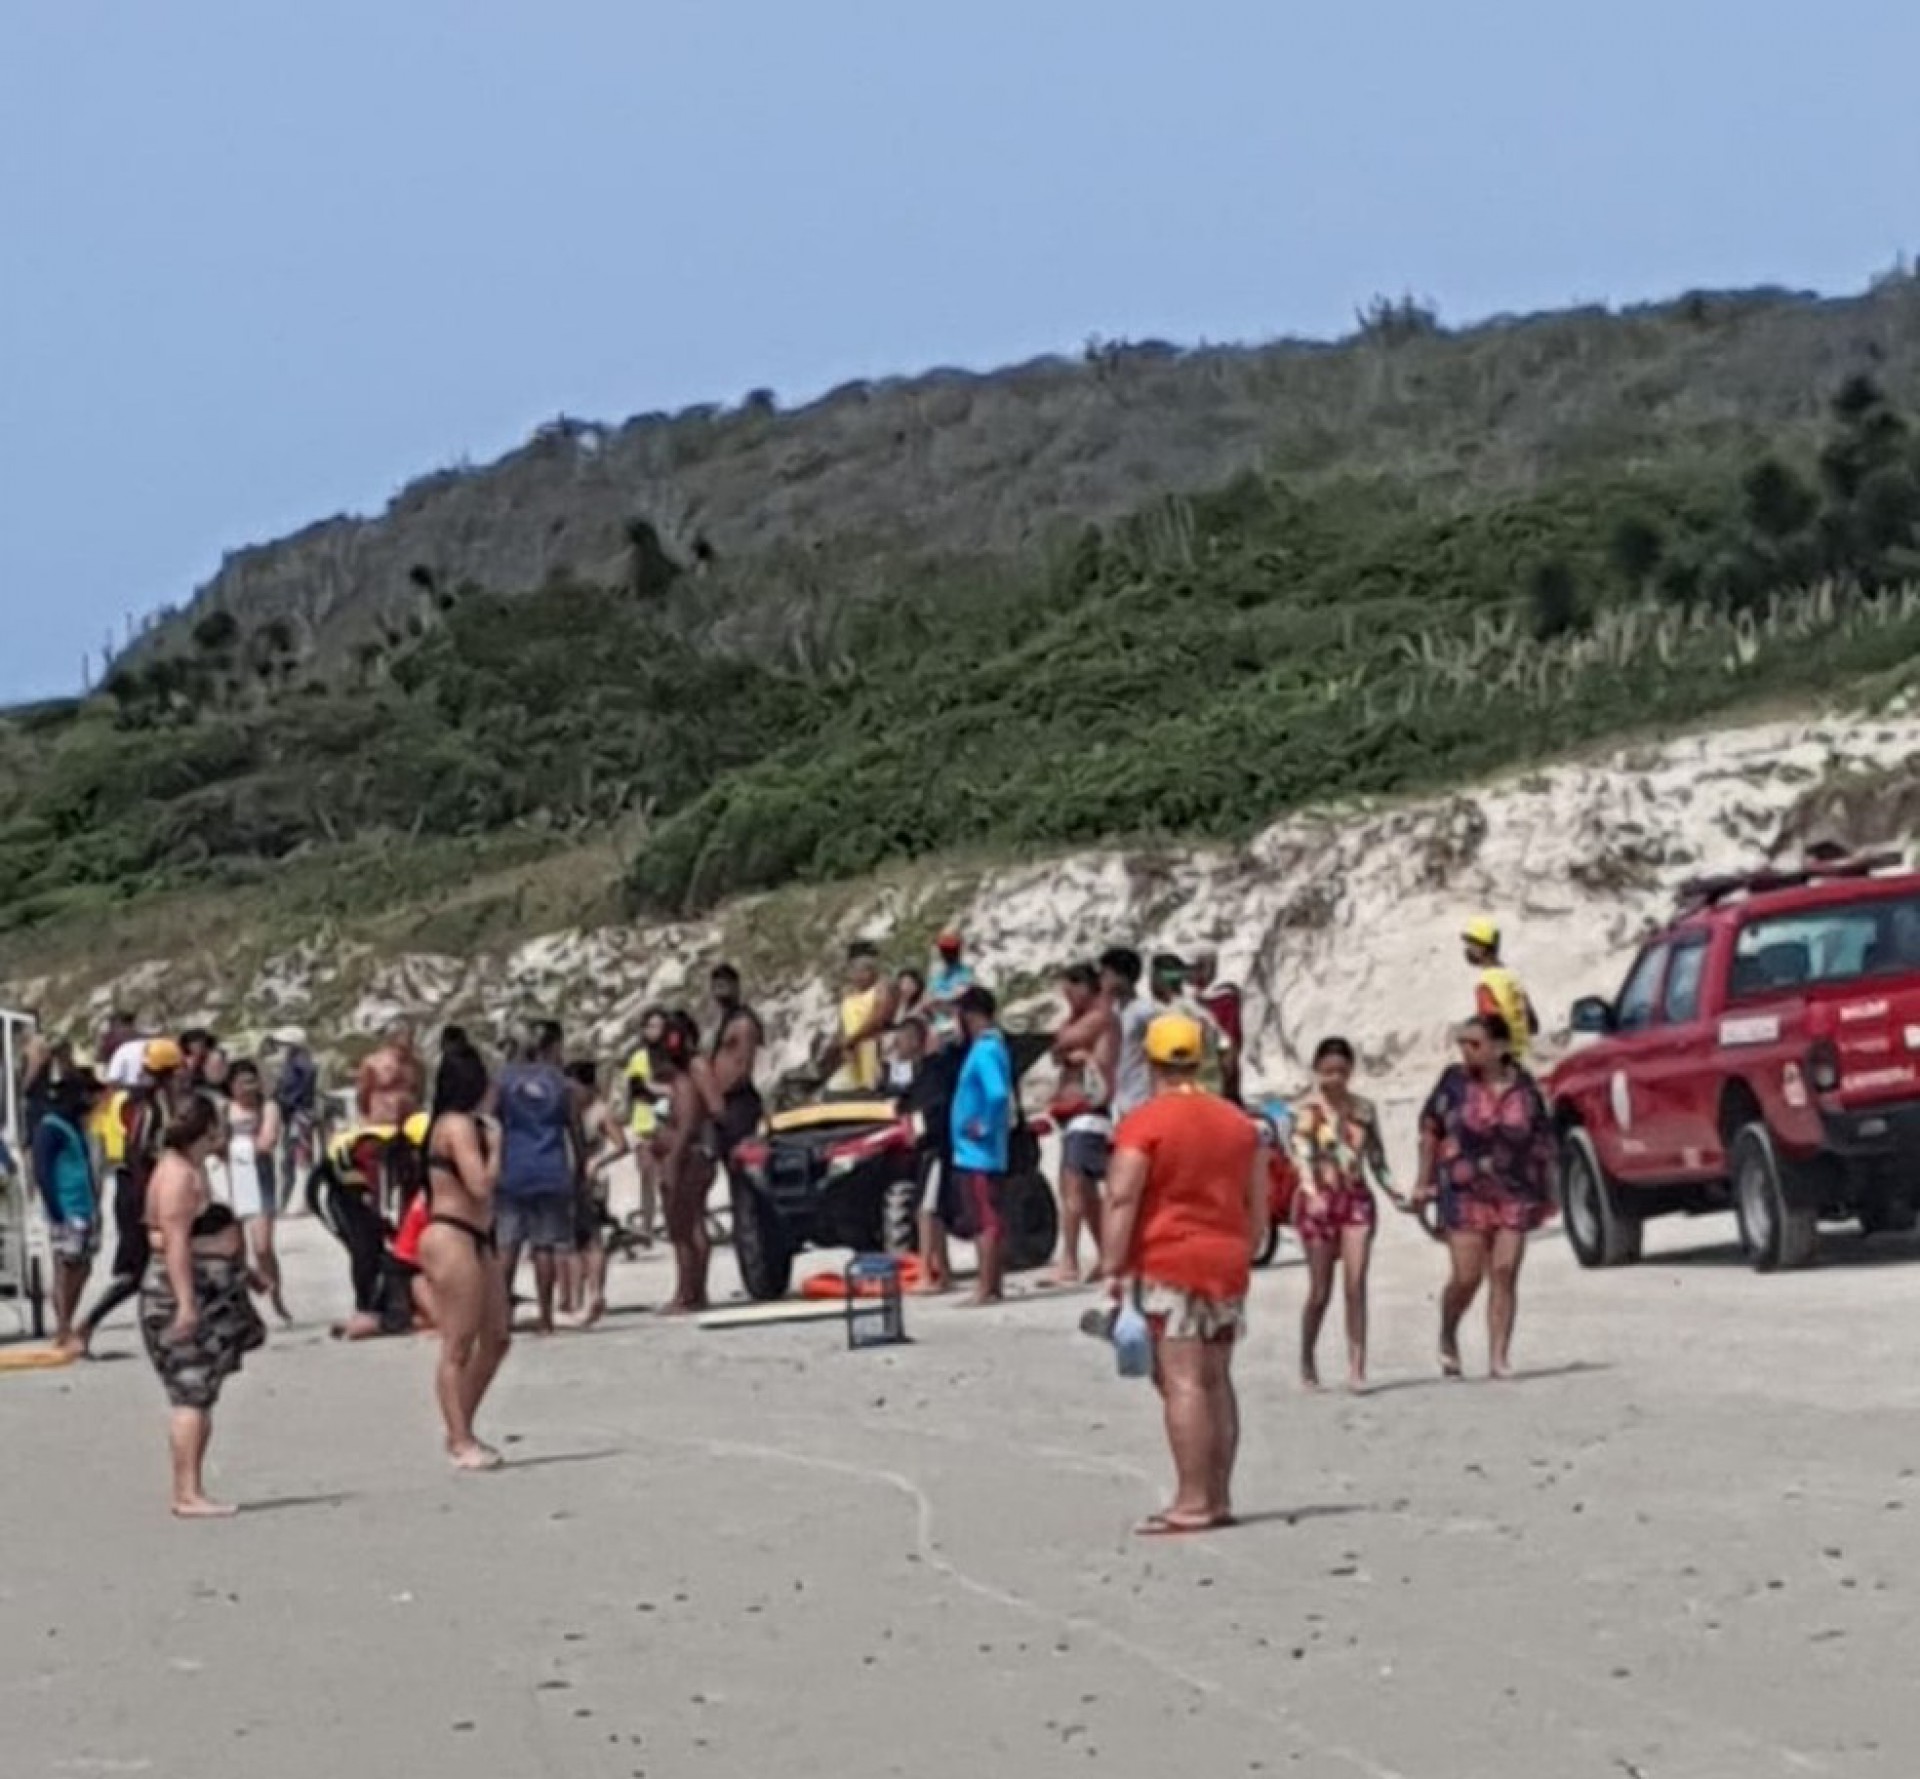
{"type": "Point", "coordinates": [442, 1187]}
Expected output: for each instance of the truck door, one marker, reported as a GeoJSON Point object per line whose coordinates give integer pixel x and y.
{"type": "Point", "coordinates": [1675, 1074]}
{"type": "Point", "coordinates": [1633, 1046]}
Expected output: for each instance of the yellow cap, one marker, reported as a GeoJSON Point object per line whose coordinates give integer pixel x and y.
{"type": "Point", "coordinates": [415, 1129]}
{"type": "Point", "coordinates": [162, 1054]}
{"type": "Point", "coordinates": [1481, 931]}
{"type": "Point", "coordinates": [1175, 1041]}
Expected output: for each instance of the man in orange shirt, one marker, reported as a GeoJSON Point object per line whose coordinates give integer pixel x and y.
{"type": "Point", "coordinates": [1186, 1212]}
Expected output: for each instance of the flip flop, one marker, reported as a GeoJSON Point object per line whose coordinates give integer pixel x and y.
{"type": "Point", "coordinates": [490, 1460]}
{"type": "Point", "coordinates": [1160, 1525]}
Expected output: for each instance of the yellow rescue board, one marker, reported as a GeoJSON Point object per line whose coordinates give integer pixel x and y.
{"type": "Point", "coordinates": [33, 1358]}
{"type": "Point", "coordinates": [761, 1315]}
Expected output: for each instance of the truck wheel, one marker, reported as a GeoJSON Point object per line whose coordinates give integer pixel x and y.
{"type": "Point", "coordinates": [1775, 1231]}
{"type": "Point", "coordinates": [1032, 1219]}
{"type": "Point", "coordinates": [1600, 1229]}
{"type": "Point", "coordinates": [760, 1247]}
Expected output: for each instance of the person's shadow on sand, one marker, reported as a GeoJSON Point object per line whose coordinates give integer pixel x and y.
{"type": "Point", "coordinates": [285, 1503]}
{"type": "Point", "coordinates": [1523, 1375]}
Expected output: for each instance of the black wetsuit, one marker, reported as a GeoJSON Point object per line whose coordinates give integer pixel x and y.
{"type": "Point", "coordinates": [132, 1245]}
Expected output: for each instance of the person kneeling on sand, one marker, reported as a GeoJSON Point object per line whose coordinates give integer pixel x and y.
{"type": "Point", "coordinates": [1186, 1212]}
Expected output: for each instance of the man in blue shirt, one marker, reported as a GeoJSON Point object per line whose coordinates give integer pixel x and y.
{"type": "Point", "coordinates": [982, 1120]}
{"type": "Point", "coordinates": [539, 1140]}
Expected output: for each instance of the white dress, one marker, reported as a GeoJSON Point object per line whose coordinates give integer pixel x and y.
{"type": "Point", "coordinates": [244, 1192]}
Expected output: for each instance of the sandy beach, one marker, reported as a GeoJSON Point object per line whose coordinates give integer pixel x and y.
{"type": "Point", "coordinates": [1678, 1546]}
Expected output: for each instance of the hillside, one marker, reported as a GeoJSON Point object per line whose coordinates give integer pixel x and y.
{"type": "Point", "coordinates": [1154, 597]}
{"type": "Point", "coordinates": [880, 487]}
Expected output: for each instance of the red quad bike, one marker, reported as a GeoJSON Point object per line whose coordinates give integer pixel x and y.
{"type": "Point", "coordinates": [1763, 1056]}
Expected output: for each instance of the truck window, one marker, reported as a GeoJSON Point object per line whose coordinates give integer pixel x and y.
{"type": "Point", "coordinates": [1684, 974]}
{"type": "Point", "coordinates": [1633, 1012]}
{"type": "Point", "coordinates": [1815, 945]}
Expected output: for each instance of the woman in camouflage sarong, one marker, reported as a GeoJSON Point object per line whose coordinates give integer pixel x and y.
{"type": "Point", "coordinates": [195, 1314]}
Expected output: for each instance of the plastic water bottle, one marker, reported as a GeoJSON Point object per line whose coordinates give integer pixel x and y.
{"type": "Point", "coordinates": [1132, 1341]}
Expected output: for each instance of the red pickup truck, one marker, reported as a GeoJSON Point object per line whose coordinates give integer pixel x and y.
{"type": "Point", "coordinates": [1763, 1054]}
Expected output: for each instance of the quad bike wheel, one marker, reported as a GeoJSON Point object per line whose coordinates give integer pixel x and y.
{"type": "Point", "coordinates": [1032, 1219]}
{"type": "Point", "coordinates": [760, 1247]}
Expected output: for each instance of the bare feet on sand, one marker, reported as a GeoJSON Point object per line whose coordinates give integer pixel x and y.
{"type": "Point", "coordinates": [198, 1507]}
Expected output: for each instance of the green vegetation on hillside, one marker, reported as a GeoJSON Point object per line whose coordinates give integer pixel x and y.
{"type": "Point", "coordinates": [1192, 668]}
{"type": "Point", "coordinates": [1217, 660]}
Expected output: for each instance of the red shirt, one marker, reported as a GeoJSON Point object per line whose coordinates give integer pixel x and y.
{"type": "Point", "coordinates": [1192, 1231]}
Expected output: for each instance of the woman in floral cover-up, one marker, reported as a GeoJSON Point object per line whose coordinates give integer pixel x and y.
{"type": "Point", "coordinates": [1487, 1153]}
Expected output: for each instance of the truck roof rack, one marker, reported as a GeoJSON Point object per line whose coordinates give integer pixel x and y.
{"type": "Point", "coordinates": [1706, 892]}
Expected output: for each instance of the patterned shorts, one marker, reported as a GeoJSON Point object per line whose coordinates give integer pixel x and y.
{"type": "Point", "coordinates": [1323, 1217]}
{"type": "Point", "coordinates": [75, 1240]}
{"type": "Point", "coordinates": [192, 1370]}
{"type": "Point", "coordinates": [1179, 1314]}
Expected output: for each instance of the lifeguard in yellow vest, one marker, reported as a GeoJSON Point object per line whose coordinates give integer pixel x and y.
{"type": "Point", "coordinates": [866, 1012]}
{"type": "Point", "coordinates": [1498, 990]}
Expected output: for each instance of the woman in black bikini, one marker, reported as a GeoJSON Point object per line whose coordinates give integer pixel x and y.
{"type": "Point", "coordinates": [457, 1251]}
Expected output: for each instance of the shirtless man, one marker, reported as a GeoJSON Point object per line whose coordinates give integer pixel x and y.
{"type": "Point", "coordinates": [686, 1164]}
{"type": "Point", "coordinates": [387, 1089]}
{"type": "Point", "coordinates": [725, 1075]}
{"type": "Point", "coordinates": [1086, 1051]}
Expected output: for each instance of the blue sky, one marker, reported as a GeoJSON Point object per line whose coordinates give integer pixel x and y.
{"type": "Point", "coordinates": [266, 260]}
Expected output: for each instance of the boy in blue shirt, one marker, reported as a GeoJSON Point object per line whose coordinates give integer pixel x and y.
{"type": "Point", "coordinates": [70, 1195]}
{"type": "Point", "coordinates": [950, 978]}
{"type": "Point", "coordinates": [982, 1122]}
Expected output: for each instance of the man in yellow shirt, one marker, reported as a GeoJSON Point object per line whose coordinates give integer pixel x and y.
{"type": "Point", "coordinates": [866, 1011]}
{"type": "Point", "coordinates": [1498, 989]}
